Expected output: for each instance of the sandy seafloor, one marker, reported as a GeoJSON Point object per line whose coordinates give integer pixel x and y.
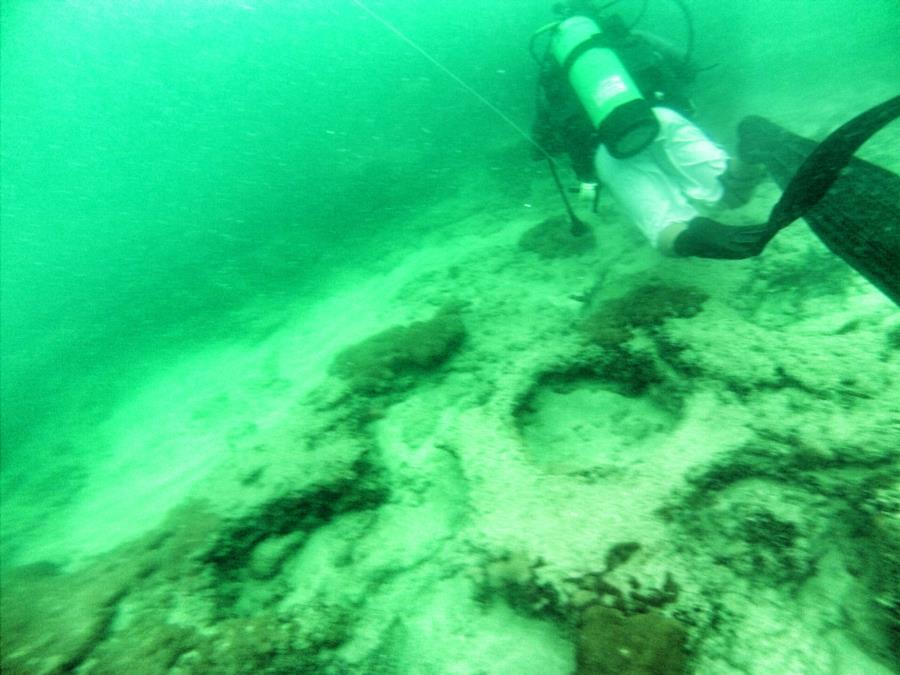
{"type": "Point", "coordinates": [724, 455]}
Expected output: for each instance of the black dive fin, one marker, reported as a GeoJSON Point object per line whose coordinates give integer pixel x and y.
{"type": "Point", "coordinates": [853, 206]}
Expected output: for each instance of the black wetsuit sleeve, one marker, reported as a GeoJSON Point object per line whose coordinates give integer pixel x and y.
{"type": "Point", "coordinates": [562, 126]}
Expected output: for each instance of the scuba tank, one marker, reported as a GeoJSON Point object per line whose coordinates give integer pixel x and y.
{"type": "Point", "coordinates": [623, 120]}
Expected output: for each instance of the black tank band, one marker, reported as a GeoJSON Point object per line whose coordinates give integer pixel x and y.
{"type": "Point", "coordinates": [628, 129]}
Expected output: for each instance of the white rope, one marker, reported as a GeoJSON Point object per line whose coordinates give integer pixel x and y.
{"type": "Point", "coordinates": [405, 38]}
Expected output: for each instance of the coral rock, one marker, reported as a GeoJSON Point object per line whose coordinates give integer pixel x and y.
{"type": "Point", "coordinates": [610, 642]}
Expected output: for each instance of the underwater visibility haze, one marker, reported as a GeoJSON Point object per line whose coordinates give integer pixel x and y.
{"type": "Point", "coordinates": [303, 369]}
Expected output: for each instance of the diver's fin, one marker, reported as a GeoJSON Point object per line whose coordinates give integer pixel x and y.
{"type": "Point", "coordinates": [853, 206]}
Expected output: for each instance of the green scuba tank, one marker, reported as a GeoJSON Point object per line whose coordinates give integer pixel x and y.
{"type": "Point", "coordinates": [623, 119]}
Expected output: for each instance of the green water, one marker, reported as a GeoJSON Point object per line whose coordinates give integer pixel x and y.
{"type": "Point", "coordinates": [167, 163]}
{"type": "Point", "coordinates": [183, 180]}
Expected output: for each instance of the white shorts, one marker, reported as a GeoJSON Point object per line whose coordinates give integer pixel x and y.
{"type": "Point", "coordinates": [656, 187]}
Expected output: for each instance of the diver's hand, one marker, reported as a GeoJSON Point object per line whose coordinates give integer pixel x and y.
{"type": "Point", "coordinates": [587, 192]}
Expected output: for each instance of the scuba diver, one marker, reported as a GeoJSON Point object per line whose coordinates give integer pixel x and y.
{"type": "Point", "coordinates": [614, 100]}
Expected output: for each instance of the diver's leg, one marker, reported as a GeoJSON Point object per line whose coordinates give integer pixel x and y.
{"type": "Point", "coordinates": [646, 194]}
{"type": "Point", "coordinates": [702, 171]}
{"type": "Point", "coordinates": [666, 241]}
{"type": "Point", "coordinates": [694, 163]}
{"type": "Point", "coordinates": [656, 186]}
{"type": "Point", "coordinates": [739, 181]}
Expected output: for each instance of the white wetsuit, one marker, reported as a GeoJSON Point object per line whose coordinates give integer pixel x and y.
{"type": "Point", "coordinates": [657, 186]}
